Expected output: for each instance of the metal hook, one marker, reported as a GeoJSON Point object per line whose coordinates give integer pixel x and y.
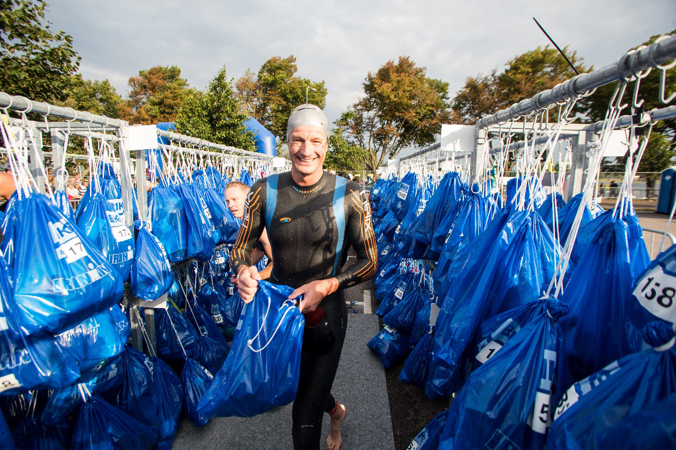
{"type": "Point", "coordinates": [663, 71]}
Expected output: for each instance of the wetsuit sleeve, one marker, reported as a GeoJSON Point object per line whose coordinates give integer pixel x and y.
{"type": "Point", "coordinates": [362, 237]}
{"type": "Point", "coordinates": [251, 228]}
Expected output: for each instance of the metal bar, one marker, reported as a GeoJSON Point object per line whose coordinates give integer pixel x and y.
{"type": "Point", "coordinates": [202, 143]}
{"type": "Point", "coordinates": [634, 61]}
{"type": "Point", "coordinates": [421, 152]}
{"type": "Point", "coordinates": [22, 104]}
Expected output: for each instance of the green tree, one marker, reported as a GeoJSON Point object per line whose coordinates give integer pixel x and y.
{"type": "Point", "coordinates": [275, 91]}
{"type": "Point", "coordinates": [97, 97]}
{"type": "Point", "coordinates": [156, 95]}
{"type": "Point", "coordinates": [525, 75]}
{"type": "Point", "coordinates": [344, 156]}
{"type": "Point", "coordinates": [36, 62]}
{"type": "Point", "coordinates": [216, 115]}
{"type": "Point", "coordinates": [402, 107]}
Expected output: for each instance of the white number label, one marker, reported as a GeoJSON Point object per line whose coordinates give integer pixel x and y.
{"type": "Point", "coordinates": [540, 418]}
{"type": "Point", "coordinates": [121, 234]}
{"type": "Point", "coordinates": [9, 382]}
{"type": "Point", "coordinates": [656, 292]}
{"type": "Point", "coordinates": [403, 191]}
{"type": "Point", "coordinates": [71, 250]}
{"type": "Point", "coordinates": [488, 351]}
{"type": "Point", "coordinates": [569, 399]}
{"type": "Point", "coordinates": [399, 293]}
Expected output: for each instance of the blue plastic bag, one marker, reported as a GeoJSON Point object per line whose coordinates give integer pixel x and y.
{"type": "Point", "coordinates": [596, 330]}
{"type": "Point", "coordinates": [508, 401]}
{"type": "Point", "coordinates": [62, 202]}
{"type": "Point", "coordinates": [403, 314]}
{"type": "Point", "coordinates": [262, 370]}
{"type": "Point", "coordinates": [96, 339]}
{"type": "Point", "coordinates": [652, 429]}
{"type": "Point", "coordinates": [629, 385]}
{"type": "Point", "coordinates": [73, 280]}
{"type": "Point", "coordinates": [29, 362]}
{"type": "Point", "coordinates": [137, 394]}
{"type": "Point", "coordinates": [566, 216]}
{"type": "Point", "coordinates": [5, 435]}
{"type": "Point", "coordinates": [32, 433]}
{"type": "Point", "coordinates": [176, 338]}
{"type": "Point", "coordinates": [406, 195]}
{"type": "Point", "coordinates": [170, 402]}
{"type": "Point", "coordinates": [170, 224]}
{"type": "Point", "coordinates": [507, 266]}
{"type": "Point", "coordinates": [63, 402]}
{"type": "Point", "coordinates": [428, 438]}
{"type": "Point", "coordinates": [416, 367]}
{"type": "Point", "coordinates": [100, 425]}
{"type": "Point", "coordinates": [221, 216]}
{"type": "Point", "coordinates": [200, 228]}
{"type": "Point", "coordinates": [196, 381]}
{"type": "Point", "coordinates": [106, 229]}
{"type": "Point", "coordinates": [390, 345]}
{"type": "Point", "coordinates": [151, 274]}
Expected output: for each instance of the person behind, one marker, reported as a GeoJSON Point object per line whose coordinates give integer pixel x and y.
{"type": "Point", "coordinates": [235, 199]}
{"type": "Point", "coordinates": [72, 192]}
{"type": "Point", "coordinates": [316, 217]}
{"type": "Point", "coordinates": [81, 187]}
{"type": "Point", "coordinates": [7, 188]}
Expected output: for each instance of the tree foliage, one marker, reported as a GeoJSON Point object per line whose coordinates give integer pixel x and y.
{"type": "Point", "coordinates": [275, 91]}
{"type": "Point", "coordinates": [525, 75]}
{"type": "Point", "coordinates": [36, 62]}
{"type": "Point", "coordinates": [97, 97]}
{"type": "Point", "coordinates": [216, 115]}
{"type": "Point", "coordinates": [344, 156]}
{"type": "Point", "coordinates": [402, 107]}
{"type": "Point", "coordinates": [156, 95]}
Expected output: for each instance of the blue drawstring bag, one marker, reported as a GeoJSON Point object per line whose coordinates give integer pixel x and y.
{"type": "Point", "coordinates": [63, 204]}
{"type": "Point", "coordinates": [200, 228]}
{"type": "Point", "coordinates": [554, 202]}
{"type": "Point", "coordinates": [5, 435]}
{"type": "Point", "coordinates": [105, 228]}
{"type": "Point", "coordinates": [211, 354]}
{"type": "Point", "coordinates": [29, 362]}
{"type": "Point", "coordinates": [151, 274]}
{"type": "Point", "coordinates": [64, 401]}
{"type": "Point", "coordinates": [428, 438]}
{"type": "Point", "coordinates": [169, 222]}
{"type": "Point", "coordinates": [403, 314]}
{"type": "Point", "coordinates": [170, 401]}
{"type": "Point", "coordinates": [566, 216]}
{"type": "Point", "coordinates": [204, 324]}
{"type": "Point", "coordinates": [652, 297]}
{"type": "Point", "coordinates": [405, 284]}
{"type": "Point", "coordinates": [32, 433]}
{"type": "Point", "coordinates": [416, 367]}
{"type": "Point", "coordinates": [390, 345]}
{"type": "Point", "coordinates": [508, 401]}
{"type": "Point", "coordinates": [421, 323]}
{"type": "Point", "coordinates": [406, 195]}
{"type": "Point", "coordinates": [96, 339]}
{"type": "Point", "coordinates": [137, 394]}
{"type": "Point", "coordinates": [245, 178]}
{"type": "Point", "coordinates": [599, 290]}
{"type": "Point", "coordinates": [262, 370]}
{"type": "Point", "coordinates": [176, 338]}
{"type": "Point", "coordinates": [627, 386]}
{"type": "Point", "coordinates": [196, 381]}
{"type": "Point", "coordinates": [494, 332]}
{"type": "Point", "coordinates": [221, 216]}
{"type": "Point", "coordinates": [100, 425]}
{"type": "Point", "coordinates": [644, 430]}
{"type": "Point", "coordinates": [73, 280]}
{"type": "Point", "coordinates": [507, 266]}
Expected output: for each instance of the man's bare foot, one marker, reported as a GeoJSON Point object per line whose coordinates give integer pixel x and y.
{"type": "Point", "coordinates": [335, 440]}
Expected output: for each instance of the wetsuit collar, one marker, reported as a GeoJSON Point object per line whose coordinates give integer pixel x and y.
{"type": "Point", "coordinates": [307, 189]}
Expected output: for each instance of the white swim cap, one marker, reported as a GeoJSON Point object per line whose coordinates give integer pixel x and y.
{"type": "Point", "coordinates": [307, 114]}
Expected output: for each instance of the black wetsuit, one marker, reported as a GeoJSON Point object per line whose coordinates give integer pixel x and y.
{"type": "Point", "coordinates": [310, 230]}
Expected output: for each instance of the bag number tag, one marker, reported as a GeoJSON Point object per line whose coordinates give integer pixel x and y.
{"type": "Point", "coordinates": [121, 234]}
{"type": "Point", "coordinates": [71, 250]}
{"type": "Point", "coordinates": [541, 415]}
{"type": "Point", "coordinates": [9, 382]}
{"type": "Point", "coordinates": [403, 191]}
{"type": "Point", "coordinates": [399, 293]}
{"type": "Point", "coordinates": [656, 292]}
{"type": "Point", "coordinates": [488, 351]}
{"type": "Point", "coordinates": [382, 273]}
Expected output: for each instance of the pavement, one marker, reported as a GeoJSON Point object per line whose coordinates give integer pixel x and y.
{"type": "Point", "coordinates": [360, 384]}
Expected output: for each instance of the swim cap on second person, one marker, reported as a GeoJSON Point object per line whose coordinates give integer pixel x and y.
{"type": "Point", "coordinates": [307, 114]}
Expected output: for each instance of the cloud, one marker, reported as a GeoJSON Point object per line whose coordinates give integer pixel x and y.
{"type": "Point", "coordinates": [341, 41]}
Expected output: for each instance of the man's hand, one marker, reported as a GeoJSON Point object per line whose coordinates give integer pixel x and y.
{"type": "Point", "coordinates": [247, 282]}
{"type": "Point", "coordinates": [313, 293]}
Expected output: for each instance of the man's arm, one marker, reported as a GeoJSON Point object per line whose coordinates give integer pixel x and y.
{"type": "Point", "coordinates": [249, 232]}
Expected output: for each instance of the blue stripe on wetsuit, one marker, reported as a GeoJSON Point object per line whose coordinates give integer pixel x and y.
{"type": "Point", "coordinates": [339, 214]}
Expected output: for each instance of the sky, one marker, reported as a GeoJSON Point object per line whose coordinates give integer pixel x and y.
{"type": "Point", "coordinates": [340, 42]}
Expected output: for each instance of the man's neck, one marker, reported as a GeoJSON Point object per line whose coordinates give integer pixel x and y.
{"type": "Point", "coordinates": [306, 180]}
